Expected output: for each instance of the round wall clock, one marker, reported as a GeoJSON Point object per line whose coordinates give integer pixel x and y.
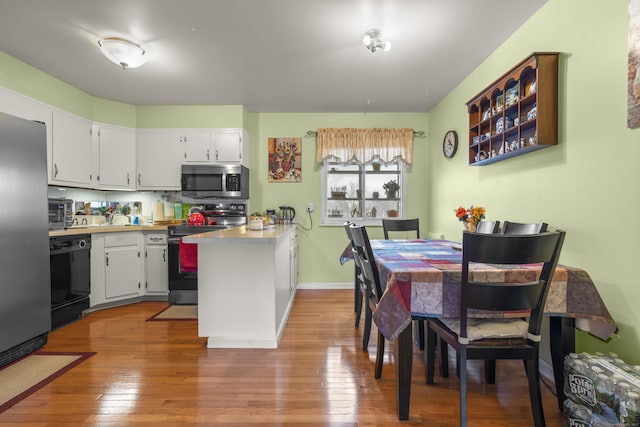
{"type": "Point", "coordinates": [450, 144]}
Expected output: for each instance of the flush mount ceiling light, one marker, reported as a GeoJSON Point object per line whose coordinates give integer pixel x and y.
{"type": "Point", "coordinates": [122, 52]}
{"type": "Point", "coordinates": [373, 42]}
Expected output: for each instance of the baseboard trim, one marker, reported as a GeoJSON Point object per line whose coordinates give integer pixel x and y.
{"type": "Point", "coordinates": [546, 370]}
{"type": "Point", "coordinates": [324, 285]}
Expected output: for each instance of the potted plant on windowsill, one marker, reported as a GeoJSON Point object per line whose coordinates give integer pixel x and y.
{"type": "Point", "coordinates": [391, 188]}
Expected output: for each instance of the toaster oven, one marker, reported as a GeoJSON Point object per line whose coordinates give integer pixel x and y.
{"type": "Point", "coordinates": [60, 213]}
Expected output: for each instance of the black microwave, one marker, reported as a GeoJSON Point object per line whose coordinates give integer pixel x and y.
{"type": "Point", "coordinates": [215, 181]}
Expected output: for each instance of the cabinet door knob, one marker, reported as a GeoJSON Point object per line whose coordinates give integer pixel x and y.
{"type": "Point", "coordinates": [55, 170]}
{"type": "Point", "coordinates": [128, 180]}
{"type": "Point", "coordinates": [139, 179]}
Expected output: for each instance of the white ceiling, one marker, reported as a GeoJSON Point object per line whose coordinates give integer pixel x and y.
{"type": "Point", "coordinates": [268, 55]}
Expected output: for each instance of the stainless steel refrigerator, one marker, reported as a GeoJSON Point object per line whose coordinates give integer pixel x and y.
{"type": "Point", "coordinates": [25, 290]}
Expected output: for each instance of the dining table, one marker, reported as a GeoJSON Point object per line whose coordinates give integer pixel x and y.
{"type": "Point", "coordinates": [421, 280]}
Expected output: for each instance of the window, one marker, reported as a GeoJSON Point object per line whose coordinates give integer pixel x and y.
{"type": "Point", "coordinates": [356, 191]}
{"type": "Point", "coordinates": [360, 168]}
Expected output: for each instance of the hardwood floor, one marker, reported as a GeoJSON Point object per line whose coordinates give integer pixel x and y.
{"type": "Point", "coordinates": [147, 373]}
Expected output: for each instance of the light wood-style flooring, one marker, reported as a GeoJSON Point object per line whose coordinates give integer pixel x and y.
{"type": "Point", "coordinates": [162, 373]}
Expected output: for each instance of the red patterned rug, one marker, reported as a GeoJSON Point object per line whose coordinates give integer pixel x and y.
{"type": "Point", "coordinates": [32, 372]}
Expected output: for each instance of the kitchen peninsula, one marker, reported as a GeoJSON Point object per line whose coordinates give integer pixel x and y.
{"type": "Point", "coordinates": [246, 284]}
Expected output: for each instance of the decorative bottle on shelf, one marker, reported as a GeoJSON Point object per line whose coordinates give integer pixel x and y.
{"type": "Point", "coordinates": [374, 212]}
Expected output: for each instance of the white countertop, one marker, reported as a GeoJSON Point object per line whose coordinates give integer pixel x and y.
{"type": "Point", "coordinates": [241, 234]}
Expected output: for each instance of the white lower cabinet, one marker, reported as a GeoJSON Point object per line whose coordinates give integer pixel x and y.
{"type": "Point", "coordinates": [156, 280]}
{"type": "Point", "coordinates": [117, 266]}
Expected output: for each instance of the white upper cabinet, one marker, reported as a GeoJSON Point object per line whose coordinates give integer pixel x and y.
{"type": "Point", "coordinates": [227, 147]}
{"type": "Point", "coordinates": [197, 147]}
{"type": "Point", "coordinates": [216, 146]}
{"type": "Point", "coordinates": [158, 156]}
{"type": "Point", "coordinates": [70, 150]}
{"type": "Point", "coordinates": [84, 154]}
{"type": "Point", "coordinates": [115, 150]}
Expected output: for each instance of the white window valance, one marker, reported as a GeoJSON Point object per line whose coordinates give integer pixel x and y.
{"type": "Point", "coordinates": [365, 145]}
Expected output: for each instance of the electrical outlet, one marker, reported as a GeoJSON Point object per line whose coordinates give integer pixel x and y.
{"type": "Point", "coordinates": [309, 207]}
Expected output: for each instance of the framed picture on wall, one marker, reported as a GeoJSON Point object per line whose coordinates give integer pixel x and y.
{"type": "Point", "coordinates": [285, 159]}
{"type": "Point", "coordinates": [633, 81]}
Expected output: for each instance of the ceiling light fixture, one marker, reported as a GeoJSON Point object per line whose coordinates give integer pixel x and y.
{"type": "Point", "coordinates": [373, 42]}
{"type": "Point", "coordinates": [122, 52]}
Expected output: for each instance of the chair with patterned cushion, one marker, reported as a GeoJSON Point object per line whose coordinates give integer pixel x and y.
{"type": "Point", "coordinates": [491, 339]}
{"type": "Point", "coordinates": [488, 227]}
{"type": "Point", "coordinates": [509, 227]}
{"type": "Point", "coordinates": [373, 289]}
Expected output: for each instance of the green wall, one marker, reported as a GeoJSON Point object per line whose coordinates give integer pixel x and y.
{"type": "Point", "coordinates": [588, 185]}
{"type": "Point", "coordinates": [190, 116]}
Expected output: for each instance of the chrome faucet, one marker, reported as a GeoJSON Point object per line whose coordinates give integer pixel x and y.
{"type": "Point", "coordinates": [113, 215]}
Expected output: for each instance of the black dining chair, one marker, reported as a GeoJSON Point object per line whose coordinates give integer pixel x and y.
{"type": "Point", "coordinates": [483, 227]}
{"type": "Point", "coordinates": [491, 339]}
{"type": "Point", "coordinates": [357, 278]}
{"type": "Point", "coordinates": [488, 227]}
{"type": "Point", "coordinates": [405, 226]}
{"type": "Point", "coordinates": [373, 289]}
{"type": "Point", "coordinates": [509, 227]}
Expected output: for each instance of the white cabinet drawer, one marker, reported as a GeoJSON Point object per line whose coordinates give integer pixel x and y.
{"type": "Point", "coordinates": [155, 239]}
{"type": "Point", "coordinates": [120, 239]}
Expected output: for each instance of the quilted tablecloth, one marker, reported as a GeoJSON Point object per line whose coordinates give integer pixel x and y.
{"type": "Point", "coordinates": [422, 278]}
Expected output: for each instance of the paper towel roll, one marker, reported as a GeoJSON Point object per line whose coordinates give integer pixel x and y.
{"type": "Point", "coordinates": [158, 211]}
{"type": "Point", "coordinates": [168, 210]}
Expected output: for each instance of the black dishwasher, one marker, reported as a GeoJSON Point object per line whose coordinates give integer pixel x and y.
{"type": "Point", "coordinates": [70, 277]}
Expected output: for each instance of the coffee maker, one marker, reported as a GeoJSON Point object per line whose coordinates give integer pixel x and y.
{"type": "Point", "coordinates": [287, 213]}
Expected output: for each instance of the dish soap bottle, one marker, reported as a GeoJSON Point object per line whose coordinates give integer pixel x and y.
{"type": "Point", "coordinates": [136, 217]}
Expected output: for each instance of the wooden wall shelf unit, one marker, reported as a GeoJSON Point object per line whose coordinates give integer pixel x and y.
{"type": "Point", "coordinates": [516, 114]}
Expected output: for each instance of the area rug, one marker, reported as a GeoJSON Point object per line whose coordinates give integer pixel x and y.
{"type": "Point", "coordinates": [177, 312]}
{"type": "Point", "coordinates": [32, 372]}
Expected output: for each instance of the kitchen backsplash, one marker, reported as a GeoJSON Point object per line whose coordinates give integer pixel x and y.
{"type": "Point", "coordinates": [98, 202]}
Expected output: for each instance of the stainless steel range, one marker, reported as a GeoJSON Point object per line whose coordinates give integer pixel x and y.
{"type": "Point", "coordinates": [183, 272]}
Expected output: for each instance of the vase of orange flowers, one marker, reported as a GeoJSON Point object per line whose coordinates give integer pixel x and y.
{"type": "Point", "coordinates": [470, 217]}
